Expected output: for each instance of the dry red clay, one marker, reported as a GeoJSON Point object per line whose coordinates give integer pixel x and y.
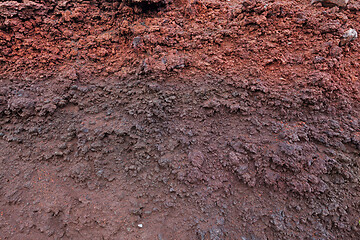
{"type": "Point", "coordinates": [157, 119]}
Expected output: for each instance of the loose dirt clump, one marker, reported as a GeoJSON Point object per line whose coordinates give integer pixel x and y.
{"type": "Point", "coordinates": [179, 120]}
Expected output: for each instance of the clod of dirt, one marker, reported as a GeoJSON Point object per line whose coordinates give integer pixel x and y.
{"type": "Point", "coordinates": [349, 35]}
{"type": "Point", "coordinates": [331, 3]}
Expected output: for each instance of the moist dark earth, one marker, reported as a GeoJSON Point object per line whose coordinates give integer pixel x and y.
{"type": "Point", "coordinates": [157, 119]}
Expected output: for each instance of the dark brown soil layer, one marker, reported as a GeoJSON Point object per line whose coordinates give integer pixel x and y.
{"type": "Point", "coordinates": [151, 119]}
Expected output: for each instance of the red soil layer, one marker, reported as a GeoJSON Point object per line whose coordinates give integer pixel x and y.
{"type": "Point", "coordinates": [197, 119]}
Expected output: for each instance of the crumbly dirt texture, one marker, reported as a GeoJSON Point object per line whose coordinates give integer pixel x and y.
{"type": "Point", "coordinates": [182, 119]}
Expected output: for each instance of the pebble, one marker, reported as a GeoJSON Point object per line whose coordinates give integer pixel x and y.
{"type": "Point", "coordinates": [59, 154]}
{"type": "Point", "coordinates": [349, 35]}
{"type": "Point", "coordinates": [140, 225]}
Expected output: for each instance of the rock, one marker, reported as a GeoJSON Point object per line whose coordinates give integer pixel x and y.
{"type": "Point", "coordinates": [349, 35]}
{"type": "Point", "coordinates": [331, 3]}
{"type": "Point", "coordinates": [59, 154]}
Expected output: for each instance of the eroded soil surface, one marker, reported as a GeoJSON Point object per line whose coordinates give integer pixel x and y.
{"type": "Point", "coordinates": [157, 119]}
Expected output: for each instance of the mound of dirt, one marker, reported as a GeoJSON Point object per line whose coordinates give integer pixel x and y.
{"type": "Point", "coordinates": [158, 119]}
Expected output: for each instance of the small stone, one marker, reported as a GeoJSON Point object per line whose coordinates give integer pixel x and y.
{"type": "Point", "coordinates": [349, 35]}
{"type": "Point", "coordinates": [140, 225]}
{"type": "Point", "coordinates": [59, 154]}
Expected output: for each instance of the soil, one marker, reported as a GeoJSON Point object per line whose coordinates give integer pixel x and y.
{"type": "Point", "coordinates": [184, 119]}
